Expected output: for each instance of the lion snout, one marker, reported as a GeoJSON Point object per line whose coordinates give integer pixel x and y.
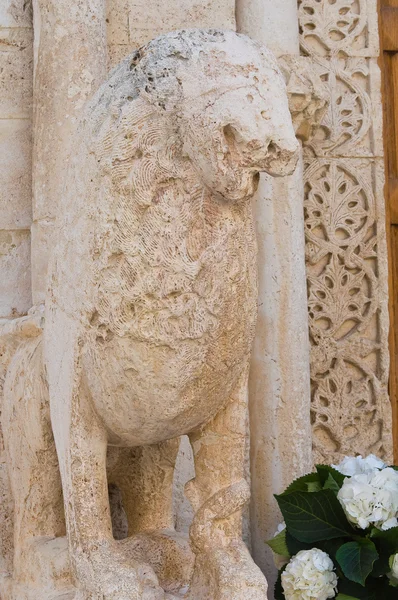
{"type": "Point", "coordinates": [282, 158]}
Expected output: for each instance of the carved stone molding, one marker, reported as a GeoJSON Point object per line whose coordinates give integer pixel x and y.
{"type": "Point", "coordinates": [345, 298]}
{"type": "Point", "coordinates": [345, 238]}
{"type": "Point", "coordinates": [338, 27]}
{"type": "Point", "coordinates": [307, 93]}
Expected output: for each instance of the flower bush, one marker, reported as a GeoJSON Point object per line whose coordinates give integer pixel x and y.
{"type": "Point", "coordinates": [340, 536]}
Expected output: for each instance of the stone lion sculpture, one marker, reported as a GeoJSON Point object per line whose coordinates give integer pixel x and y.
{"type": "Point", "coordinates": [148, 326]}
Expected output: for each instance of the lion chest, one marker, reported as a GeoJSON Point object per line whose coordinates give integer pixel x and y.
{"type": "Point", "coordinates": [174, 319]}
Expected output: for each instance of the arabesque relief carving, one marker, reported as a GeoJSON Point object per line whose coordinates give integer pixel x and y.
{"type": "Point", "coordinates": [331, 26]}
{"type": "Point", "coordinates": [346, 250]}
{"type": "Point", "coordinates": [348, 117]}
{"type": "Point", "coordinates": [147, 331]}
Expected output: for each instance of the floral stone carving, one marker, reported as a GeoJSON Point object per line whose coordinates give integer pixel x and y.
{"type": "Point", "coordinates": [346, 245]}
{"type": "Point", "coordinates": [149, 321]}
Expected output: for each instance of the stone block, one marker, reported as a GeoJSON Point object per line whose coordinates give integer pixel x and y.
{"type": "Point", "coordinates": [16, 65]}
{"type": "Point", "coordinates": [42, 242]}
{"type": "Point", "coordinates": [15, 174]}
{"type": "Point", "coordinates": [148, 20]}
{"type": "Point", "coordinates": [116, 53]}
{"type": "Point", "coordinates": [117, 22]}
{"type": "Point", "coordinates": [267, 22]}
{"type": "Point", "coordinates": [15, 286]}
{"type": "Point", "coordinates": [15, 13]}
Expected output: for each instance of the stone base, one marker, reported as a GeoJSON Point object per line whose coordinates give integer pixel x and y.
{"type": "Point", "coordinates": [47, 576]}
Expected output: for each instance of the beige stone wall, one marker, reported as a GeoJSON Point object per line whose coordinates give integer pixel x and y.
{"type": "Point", "coordinates": [16, 70]}
{"type": "Point", "coordinates": [132, 23]}
{"type": "Point", "coordinates": [70, 64]}
{"type": "Point", "coordinates": [346, 239]}
{"type": "Point", "coordinates": [15, 156]}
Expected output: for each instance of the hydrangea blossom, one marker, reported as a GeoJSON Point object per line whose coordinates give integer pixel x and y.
{"type": "Point", "coordinates": [371, 499]}
{"type": "Point", "coordinates": [309, 576]}
{"type": "Point", "coordinates": [356, 465]}
{"type": "Point", "coordinates": [394, 570]}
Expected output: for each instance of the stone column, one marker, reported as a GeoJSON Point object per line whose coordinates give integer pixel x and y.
{"type": "Point", "coordinates": [280, 381]}
{"type": "Point", "coordinates": [16, 67]}
{"type": "Point", "coordinates": [70, 64]}
{"type": "Point", "coordinates": [15, 157]}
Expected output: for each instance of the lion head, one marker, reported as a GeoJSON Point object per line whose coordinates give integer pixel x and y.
{"type": "Point", "coordinates": [219, 93]}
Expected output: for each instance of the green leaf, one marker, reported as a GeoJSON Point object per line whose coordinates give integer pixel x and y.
{"type": "Point", "coordinates": [294, 546]}
{"type": "Point", "coordinates": [332, 546]}
{"type": "Point", "coordinates": [326, 473]}
{"type": "Point", "coordinates": [314, 486]}
{"type": "Point", "coordinates": [388, 540]}
{"type": "Point", "coordinates": [303, 484]}
{"type": "Point", "coordinates": [314, 517]}
{"type": "Point", "coordinates": [387, 546]}
{"type": "Point", "coordinates": [331, 484]}
{"type": "Point", "coordinates": [278, 544]}
{"type": "Point", "coordinates": [345, 597]}
{"type": "Point", "coordinates": [356, 559]}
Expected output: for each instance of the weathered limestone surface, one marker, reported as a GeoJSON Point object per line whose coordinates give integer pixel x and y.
{"type": "Point", "coordinates": [16, 69]}
{"type": "Point", "coordinates": [149, 323]}
{"type": "Point", "coordinates": [70, 64]}
{"type": "Point", "coordinates": [16, 183]}
{"type": "Point", "coordinates": [345, 230]}
{"type": "Point", "coordinates": [132, 23]}
{"type": "Point", "coordinates": [271, 20]}
{"type": "Point", "coordinates": [16, 55]}
{"type": "Point", "coordinates": [75, 45]}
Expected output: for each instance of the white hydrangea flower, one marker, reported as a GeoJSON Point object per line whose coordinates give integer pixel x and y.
{"type": "Point", "coordinates": [371, 499]}
{"type": "Point", "coordinates": [394, 570]}
{"type": "Point", "coordinates": [309, 576]}
{"type": "Point", "coordinates": [279, 561]}
{"type": "Point", "coordinates": [355, 465]}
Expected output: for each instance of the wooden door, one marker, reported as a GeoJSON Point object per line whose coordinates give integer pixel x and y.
{"type": "Point", "coordinates": [388, 10]}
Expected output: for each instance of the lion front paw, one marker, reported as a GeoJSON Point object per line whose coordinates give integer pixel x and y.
{"type": "Point", "coordinates": [135, 584]}
{"type": "Point", "coordinates": [105, 571]}
{"type": "Point", "coordinates": [227, 574]}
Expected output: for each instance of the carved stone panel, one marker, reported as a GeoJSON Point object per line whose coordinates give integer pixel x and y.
{"type": "Point", "coordinates": [345, 237]}
{"type": "Point", "coordinates": [339, 27]}
{"type": "Point", "coordinates": [349, 366]}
